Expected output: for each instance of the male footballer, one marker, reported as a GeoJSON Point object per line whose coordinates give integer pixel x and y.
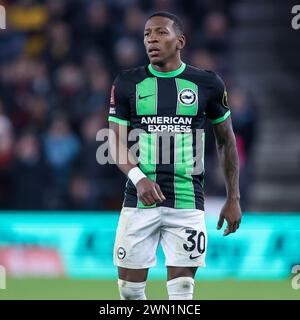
{"type": "Point", "coordinates": [164, 200]}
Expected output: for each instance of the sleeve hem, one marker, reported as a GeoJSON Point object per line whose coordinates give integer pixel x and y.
{"type": "Point", "coordinates": [221, 119]}
{"type": "Point", "coordinates": [119, 121]}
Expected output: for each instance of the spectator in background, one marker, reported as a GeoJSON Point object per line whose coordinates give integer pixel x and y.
{"type": "Point", "coordinates": [86, 163]}
{"type": "Point", "coordinates": [202, 59]}
{"type": "Point", "coordinates": [96, 28]}
{"type": "Point", "coordinates": [41, 84]}
{"type": "Point", "coordinates": [61, 147]}
{"type": "Point", "coordinates": [25, 87]}
{"type": "Point", "coordinates": [93, 61]}
{"type": "Point", "coordinates": [60, 48]}
{"type": "Point", "coordinates": [165, 5]}
{"type": "Point", "coordinates": [97, 93]}
{"type": "Point", "coordinates": [80, 194]}
{"type": "Point", "coordinates": [215, 33]}
{"type": "Point", "coordinates": [69, 93]}
{"type": "Point", "coordinates": [29, 173]}
{"type": "Point", "coordinates": [212, 39]}
{"type": "Point", "coordinates": [105, 179]}
{"type": "Point", "coordinates": [133, 22]}
{"type": "Point", "coordinates": [127, 53]}
{"type": "Point", "coordinates": [57, 9]}
{"type": "Point", "coordinates": [11, 44]}
{"type": "Point", "coordinates": [243, 119]}
{"type": "Point", "coordinates": [62, 10]}
{"type": "Point", "coordinates": [29, 17]}
{"type": "Point", "coordinates": [36, 109]}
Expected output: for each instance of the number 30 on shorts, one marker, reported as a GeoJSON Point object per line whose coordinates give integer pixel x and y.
{"type": "Point", "coordinates": [195, 241]}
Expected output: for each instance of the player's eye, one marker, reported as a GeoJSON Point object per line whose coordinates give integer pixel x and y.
{"type": "Point", "coordinates": [146, 34]}
{"type": "Point", "coordinates": [163, 32]}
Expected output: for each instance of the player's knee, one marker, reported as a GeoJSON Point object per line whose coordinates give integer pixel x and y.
{"type": "Point", "coordinates": [132, 290]}
{"type": "Point", "coordinates": [181, 288]}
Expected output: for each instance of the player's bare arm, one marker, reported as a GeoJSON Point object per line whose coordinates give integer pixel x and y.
{"type": "Point", "coordinates": [228, 156]}
{"type": "Point", "coordinates": [147, 191]}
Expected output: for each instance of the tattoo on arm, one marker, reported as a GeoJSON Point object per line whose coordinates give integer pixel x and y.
{"type": "Point", "coordinates": [228, 156]}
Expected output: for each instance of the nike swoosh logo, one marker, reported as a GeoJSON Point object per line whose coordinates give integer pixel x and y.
{"type": "Point", "coordinates": [143, 97]}
{"type": "Point", "coordinates": [195, 257]}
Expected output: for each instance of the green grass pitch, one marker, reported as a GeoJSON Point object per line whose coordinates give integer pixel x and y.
{"type": "Point", "coordinates": [70, 289]}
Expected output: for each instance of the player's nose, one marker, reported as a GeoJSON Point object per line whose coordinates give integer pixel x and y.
{"type": "Point", "coordinates": [152, 39]}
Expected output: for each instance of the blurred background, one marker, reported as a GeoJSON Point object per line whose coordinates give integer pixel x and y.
{"type": "Point", "coordinates": [59, 208]}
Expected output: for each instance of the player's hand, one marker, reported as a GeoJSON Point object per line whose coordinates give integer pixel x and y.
{"type": "Point", "coordinates": [149, 192]}
{"type": "Point", "coordinates": [232, 213]}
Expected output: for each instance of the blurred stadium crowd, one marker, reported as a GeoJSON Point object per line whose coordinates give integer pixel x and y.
{"type": "Point", "coordinates": [58, 59]}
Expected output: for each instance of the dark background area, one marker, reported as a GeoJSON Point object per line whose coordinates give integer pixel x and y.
{"type": "Point", "coordinates": [58, 59]}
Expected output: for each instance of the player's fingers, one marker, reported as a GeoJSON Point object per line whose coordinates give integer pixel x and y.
{"type": "Point", "coordinates": [161, 195]}
{"type": "Point", "coordinates": [220, 222]}
{"type": "Point", "coordinates": [231, 228]}
{"type": "Point", "coordinates": [146, 198]}
{"type": "Point", "coordinates": [226, 232]}
{"type": "Point", "coordinates": [236, 225]}
{"type": "Point", "coordinates": [144, 201]}
{"type": "Point", "coordinates": [150, 198]}
{"type": "Point", "coordinates": [155, 195]}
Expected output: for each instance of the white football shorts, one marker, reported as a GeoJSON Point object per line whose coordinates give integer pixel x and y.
{"type": "Point", "coordinates": [181, 232]}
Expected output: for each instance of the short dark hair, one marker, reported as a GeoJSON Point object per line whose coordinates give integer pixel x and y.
{"type": "Point", "coordinates": [178, 25]}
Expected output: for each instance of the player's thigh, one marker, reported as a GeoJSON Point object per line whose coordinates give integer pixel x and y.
{"type": "Point", "coordinates": [184, 237]}
{"type": "Point", "coordinates": [176, 272]}
{"type": "Point", "coordinates": [137, 238]}
{"type": "Point", "coordinates": [133, 275]}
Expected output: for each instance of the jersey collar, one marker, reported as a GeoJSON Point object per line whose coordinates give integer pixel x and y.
{"type": "Point", "coordinates": [169, 74]}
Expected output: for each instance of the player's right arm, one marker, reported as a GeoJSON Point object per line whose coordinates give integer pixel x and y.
{"type": "Point", "coordinates": [119, 121]}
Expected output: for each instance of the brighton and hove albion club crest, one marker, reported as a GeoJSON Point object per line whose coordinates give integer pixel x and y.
{"type": "Point", "coordinates": [121, 253]}
{"type": "Point", "coordinates": [187, 97]}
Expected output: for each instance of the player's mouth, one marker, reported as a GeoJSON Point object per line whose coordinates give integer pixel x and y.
{"type": "Point", "coordinates": [153, 51]}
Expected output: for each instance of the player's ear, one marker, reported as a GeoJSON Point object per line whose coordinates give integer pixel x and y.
{"type": "Point", "coordinates": [180, 42]}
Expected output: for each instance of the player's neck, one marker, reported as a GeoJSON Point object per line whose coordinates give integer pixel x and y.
{"type": "Point", "coordinates": [168, 66]}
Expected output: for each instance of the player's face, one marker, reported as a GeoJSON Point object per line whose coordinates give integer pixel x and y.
{"type": "Point", "coordinates": [161, 40]}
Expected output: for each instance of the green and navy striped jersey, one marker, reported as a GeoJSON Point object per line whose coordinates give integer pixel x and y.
{"type": "Point", "coordinates": [176, 105]}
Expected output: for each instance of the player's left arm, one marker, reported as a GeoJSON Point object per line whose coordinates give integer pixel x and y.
{"type": "Point", "coordinates": [218, 112]}
{"type": "Point", "coordinates": [228, 157]}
